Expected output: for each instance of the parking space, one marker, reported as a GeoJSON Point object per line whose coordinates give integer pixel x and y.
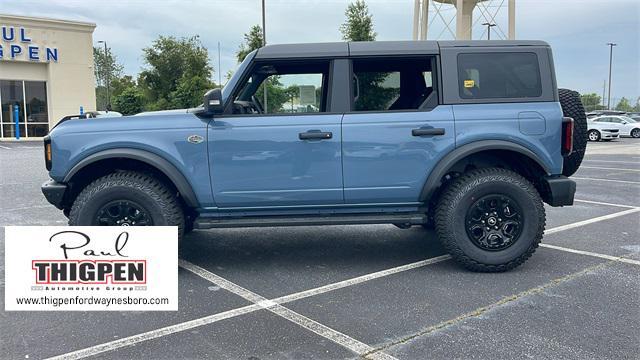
{"type": "Point", "coordinates": [375, 291]}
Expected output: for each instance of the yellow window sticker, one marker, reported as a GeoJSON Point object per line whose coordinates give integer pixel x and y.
{"type": "Point", "coordinates": [469, 83]}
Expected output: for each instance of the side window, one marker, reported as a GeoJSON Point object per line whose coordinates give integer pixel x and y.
{"type": "Point", "coordinates": [391, 84]}
{"type": "Point", "coordinates": [499, 75]}
{"type": "Point", "coordinates": [291, 87]}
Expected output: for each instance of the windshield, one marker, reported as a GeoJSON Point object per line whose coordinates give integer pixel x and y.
{"type": "Point", "coordinates": [628, 119]}
{"type": "Point", "coordinates": [226, 90]}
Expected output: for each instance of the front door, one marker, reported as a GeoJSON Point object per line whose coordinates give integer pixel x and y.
{"type": "Point", "coordinates": [278, 147]}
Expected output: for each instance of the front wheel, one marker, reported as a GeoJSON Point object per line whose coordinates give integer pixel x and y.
{"type": "Point", "coordinates": [635, 133]}
{"type": "Point", "coordinates": [127, 198]}
{"type": "Point", "coordinates": [594, 135]}
{"type": "Point", "coordinates": [490, 220]}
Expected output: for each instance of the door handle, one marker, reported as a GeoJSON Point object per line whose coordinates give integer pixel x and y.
{"type": "Point", "coordinates": [315, 135]}
{"type": "Point", "coordinates": [426, 132]}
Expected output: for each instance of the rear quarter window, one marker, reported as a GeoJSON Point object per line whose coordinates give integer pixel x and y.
{"type": "Point", "coordinates": [499, 75]}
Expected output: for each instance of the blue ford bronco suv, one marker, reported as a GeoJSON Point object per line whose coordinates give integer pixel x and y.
{"type": "Point", "coordinates": [469, 138]}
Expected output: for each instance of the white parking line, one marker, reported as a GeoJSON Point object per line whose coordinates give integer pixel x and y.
{"type": "Point", "coordinates": [154, 334]}
{"type": "Point", "coordinates": [265, 303]}
{"type": "Point", "coordinates": [359, 279]}
{"type": "Point", "coordinates": [132, 340]}
{"type": "Point", "coordinates": [608, 168]}
{"type": "Point", "coordinates": [590, 221]}
{"type": "Point", "coordinates": [606, 203]}
{"type": "Point", "coordinates": [609, 180]}
{"type": "Point", "coordinates": [589, 253]}
{"type": "Point", "coordinates": [613, 161]}
{"type": "Point", "coordinates": [326, 332]}
{"type": "Point", "coordinates": [4, 147]}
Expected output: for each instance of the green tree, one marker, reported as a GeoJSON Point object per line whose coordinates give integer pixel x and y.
{"type": "Point", "coordinates": [106, 69]}
{"type": "Point", "coordinates": [358, 26]}
{"type": "Point", "coordinates": [624, 105]}
{"type": "Point", "coordinates": [130, 101]}
{"type": "Point", "coordinates": [277, 95]}
{"type": "Point", "coordinates": [252, 41]}
{"type": "Point", "coordinates": [177, 73]}
{"type": "Point", "coordinates": [189, 92]}
{"type": "Point", "coordinates": [591, 102]}
{"type": "Point", "coordinates": [359, 23]}
{"type": "Point", "coordinates": [118, 85]}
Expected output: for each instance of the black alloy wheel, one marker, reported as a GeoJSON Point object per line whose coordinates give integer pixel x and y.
{"type": "Point", "coordinates": [122, 213]}
{"type": "Point", "coordinates": [494, 222]}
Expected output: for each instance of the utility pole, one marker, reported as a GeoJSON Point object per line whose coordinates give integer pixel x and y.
{"type": "Point", "coordinates": [107, 70]}
{"type": "Point", "coordinates": [604, 89]}
{"type": "Point", "coordinates": [611, 45]}
{"type": "Point", "coordinates": [489, 26]}
{"type": "Point", "coordinates": [219, 67]}
{"type": "Point", "coordinates": [264, 43]}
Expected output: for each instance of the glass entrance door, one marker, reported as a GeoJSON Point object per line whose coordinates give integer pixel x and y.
{"type": "Point", "coordinates": [33, 115]}
{"type": "Point", "coordinates": [11, 94]}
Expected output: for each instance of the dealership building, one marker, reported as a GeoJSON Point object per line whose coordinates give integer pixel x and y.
{"type": "Point", "coordinates": [46, 69]}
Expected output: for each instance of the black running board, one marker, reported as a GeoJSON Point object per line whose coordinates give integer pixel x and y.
{"type": "Point", "coordinates": [404, 219]}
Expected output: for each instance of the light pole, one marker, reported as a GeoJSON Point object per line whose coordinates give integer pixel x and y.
{"type": "Point", "coordinates": [611, 45]}
{"type": "Point", "coordinates": [219, 67]}
{"type": "Point", "coordinates": [264, 43]}
{"type": "Point", "coordinates": [489, 26]}
{"type": "Point", "coordinates": [106, 70]}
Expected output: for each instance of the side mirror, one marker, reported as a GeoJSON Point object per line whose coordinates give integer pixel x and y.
{"type": "Point", "coordinates": [624, 122]}
{"type": "Point", "coordinates": [213, 101]}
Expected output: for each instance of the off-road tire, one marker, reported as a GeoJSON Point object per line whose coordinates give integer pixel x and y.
{"type": "Point", "coordinates": [596, 137]}
{"type": "Point", "coordinates": [572, 107]}
{"type": "Point", "coordinates": [458, 197]}
{"type": "Point", "coordinates": [157, 199]}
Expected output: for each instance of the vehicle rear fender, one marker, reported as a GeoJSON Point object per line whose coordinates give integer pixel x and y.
{"type": "Point", "coordinates": [446, 164]}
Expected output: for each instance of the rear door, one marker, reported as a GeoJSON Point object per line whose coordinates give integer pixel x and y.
{"type": "Point", "coordinates": [395, 132]}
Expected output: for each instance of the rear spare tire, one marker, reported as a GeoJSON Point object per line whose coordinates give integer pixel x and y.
{"type": "Point", "coordinates": [490, 219]}
{"type": "Point", "coordinates": [572, 107]}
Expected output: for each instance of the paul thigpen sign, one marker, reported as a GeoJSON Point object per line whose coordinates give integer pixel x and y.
{"type": "Point", "coordinates": [62, 268]}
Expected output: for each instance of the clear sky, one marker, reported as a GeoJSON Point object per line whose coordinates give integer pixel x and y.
{"type": "Point", "coordinates": [578, 30]}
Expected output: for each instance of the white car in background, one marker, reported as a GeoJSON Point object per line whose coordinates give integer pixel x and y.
{"type": "Point", "coordinates": [626, 125]}
{"type": "Point", "coordinates": [597, 131]}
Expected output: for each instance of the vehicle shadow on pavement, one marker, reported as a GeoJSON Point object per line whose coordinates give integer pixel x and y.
{"type": "Point", "coordinates": [305, 247]}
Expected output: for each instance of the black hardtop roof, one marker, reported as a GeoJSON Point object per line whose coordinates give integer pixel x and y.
{"type": "Point", "coordinates": [368, 48]}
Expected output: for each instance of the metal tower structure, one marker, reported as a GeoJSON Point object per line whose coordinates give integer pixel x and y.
{"type": "Point", "coordinates": [463, 17]}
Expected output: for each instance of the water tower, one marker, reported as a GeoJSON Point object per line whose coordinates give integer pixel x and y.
{"type": "Point", "coordinates": [463, 17]}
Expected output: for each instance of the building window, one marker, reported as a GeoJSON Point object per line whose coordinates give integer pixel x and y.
{"type": "Point", "coordinates": [33, 117]}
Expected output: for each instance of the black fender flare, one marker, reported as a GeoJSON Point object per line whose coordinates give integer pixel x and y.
{"type": "Point", "coordinates": [445, 164]}
{"type": "Point", "coordinates": [160, 163]}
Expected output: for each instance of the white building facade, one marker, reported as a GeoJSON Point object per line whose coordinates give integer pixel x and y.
{"type": "Point", "coordinates": [46, 70]}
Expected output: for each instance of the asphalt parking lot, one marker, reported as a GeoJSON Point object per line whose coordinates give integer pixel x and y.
{"type": "Point", "coordinates": [371, 291]}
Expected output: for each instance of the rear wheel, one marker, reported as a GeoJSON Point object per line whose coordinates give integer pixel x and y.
{"type": "Point", "coordinates": [127, 198]}
{"type": "Point", "coordinates": [572, 107]}
{"type": "Point", "coordinates": [594, 135]}
{"type": "Point", "coordinates": [490, 220]}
